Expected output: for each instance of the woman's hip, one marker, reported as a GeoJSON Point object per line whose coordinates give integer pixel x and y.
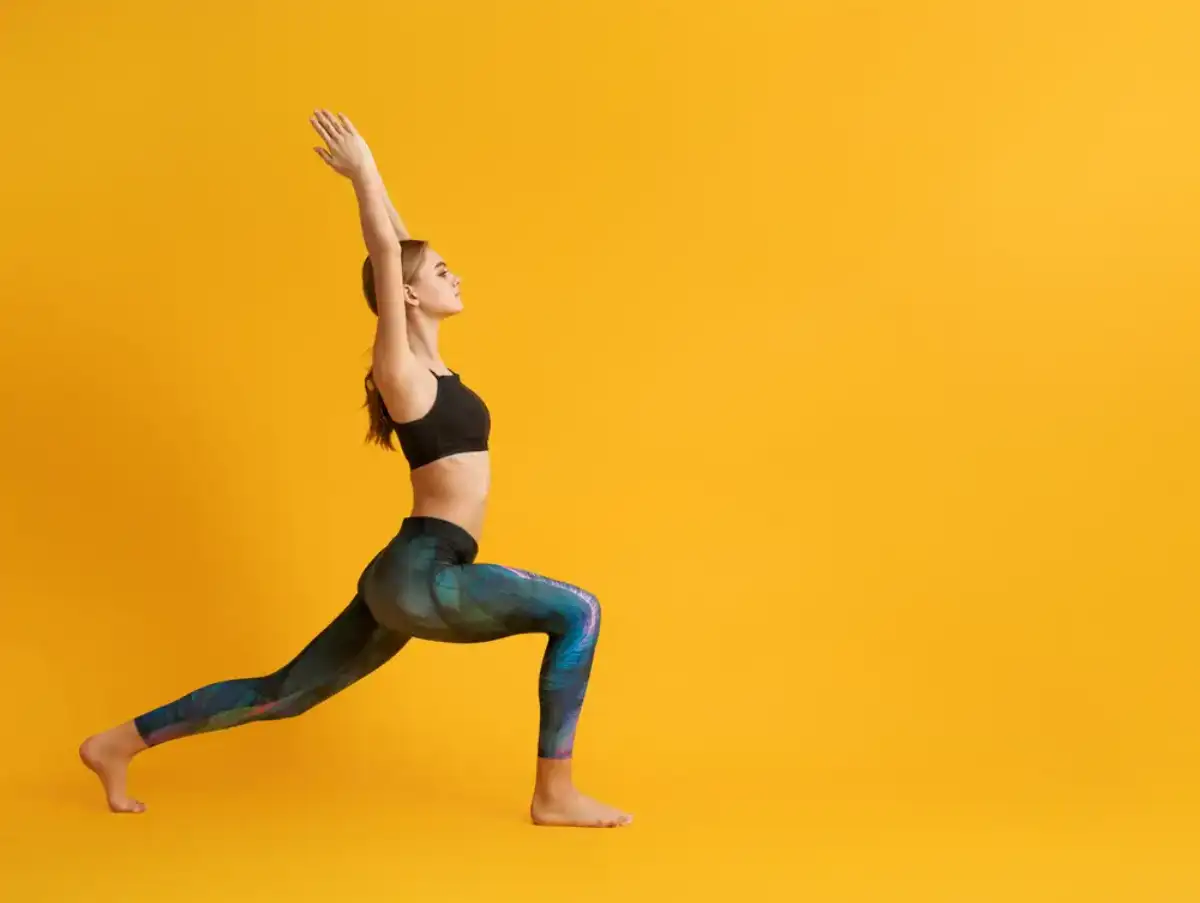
{"type": "Point", "coordinates": [426, 584]}
{"type": "Point", "coordinates": [404, 585]}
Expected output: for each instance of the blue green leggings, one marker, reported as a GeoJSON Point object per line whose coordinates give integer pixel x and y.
{"type": "Point", "coordinates": [423, 584]}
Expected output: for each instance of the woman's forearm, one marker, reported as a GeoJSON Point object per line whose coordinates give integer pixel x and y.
{"type": "Point", "coordinates": [397, 224]}
{"type": "Point", "coordinates": [375, 212]}
{"type": "Point", "coordinates": [391, 331]}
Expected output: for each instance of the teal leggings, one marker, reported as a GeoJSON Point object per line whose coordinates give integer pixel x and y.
{"type": "Point", "coordinates": [423, 584]}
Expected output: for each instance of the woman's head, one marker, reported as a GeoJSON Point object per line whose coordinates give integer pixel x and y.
{"type": "Point", "coordinates": [430, 290]}
{"type": "Point", "coordinates": [429, 286]}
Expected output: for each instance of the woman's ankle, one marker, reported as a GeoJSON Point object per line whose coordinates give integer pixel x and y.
{"type": "Point", "coordinates": [124, 739]}
{"type": "Point", "coordinates": [554, 778]}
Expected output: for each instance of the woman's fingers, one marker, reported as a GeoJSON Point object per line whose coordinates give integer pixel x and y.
{"type": "Point", "coordinates": [332, 125]}
{"type": "Point", "coordinates": [339, 136]}
{"type": "Point", "coordinates": [322, 129]}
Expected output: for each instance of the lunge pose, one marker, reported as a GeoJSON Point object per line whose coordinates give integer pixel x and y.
{"type": "Point", "coordinates": [425, 582]}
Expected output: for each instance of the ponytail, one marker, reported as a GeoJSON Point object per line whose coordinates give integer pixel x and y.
{"type": "Point", "coordinates": [382, 426]}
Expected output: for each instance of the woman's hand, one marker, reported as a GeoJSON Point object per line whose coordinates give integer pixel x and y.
{"type": "Point", "coordinates": [345, 150]}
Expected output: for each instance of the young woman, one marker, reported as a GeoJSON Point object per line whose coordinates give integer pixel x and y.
{"type": "Point", "coordinates": [425, 582]}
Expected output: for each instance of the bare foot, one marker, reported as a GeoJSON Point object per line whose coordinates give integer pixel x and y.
{"type": "Point", "coordinates": [108, 755]}
{"type": "Point", "coordinates": [571, 809]}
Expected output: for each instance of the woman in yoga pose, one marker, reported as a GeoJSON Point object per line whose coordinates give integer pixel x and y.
{"type": "Point", "coordinates": [425, 582]}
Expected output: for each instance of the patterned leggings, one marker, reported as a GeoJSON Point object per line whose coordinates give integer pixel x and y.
{"type": "Point", "coordinates": [423, 584]}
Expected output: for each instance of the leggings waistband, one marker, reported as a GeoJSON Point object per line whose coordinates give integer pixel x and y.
{"type": "Point", "coordinates": [460, 541]}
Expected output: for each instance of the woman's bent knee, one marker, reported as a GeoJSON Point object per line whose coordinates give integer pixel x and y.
{"type": "Point", "coordinates": [587, 612]}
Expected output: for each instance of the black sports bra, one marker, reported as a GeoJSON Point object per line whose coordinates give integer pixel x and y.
{"type": "Point", "coordinates": [458, 422]}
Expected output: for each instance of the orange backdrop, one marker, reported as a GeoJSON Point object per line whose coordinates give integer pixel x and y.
{"type": "Point", "coordinates": [848, 352]}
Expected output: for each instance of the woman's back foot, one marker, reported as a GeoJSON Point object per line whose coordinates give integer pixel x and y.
{"type": "Point", "coordinates": [108, 755]}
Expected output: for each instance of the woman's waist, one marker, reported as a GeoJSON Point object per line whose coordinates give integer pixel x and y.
{"type": "Point", "coordinates": [454, 489]}
{"type": "Point", "coordinates": [461, 477]}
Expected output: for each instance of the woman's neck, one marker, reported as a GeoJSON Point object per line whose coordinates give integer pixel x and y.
{"type": "Point", "coordinates": [423, 340]}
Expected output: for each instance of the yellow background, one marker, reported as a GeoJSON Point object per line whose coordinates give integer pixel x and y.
{"type": "Point", "coordinates": [850, 352]}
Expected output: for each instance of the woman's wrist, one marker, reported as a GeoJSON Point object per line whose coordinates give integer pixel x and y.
{"type": "Point", "coordinates": [367, 179]}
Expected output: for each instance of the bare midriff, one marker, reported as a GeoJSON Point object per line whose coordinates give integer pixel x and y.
{"type": "Point", "coordinates": [454, 489]}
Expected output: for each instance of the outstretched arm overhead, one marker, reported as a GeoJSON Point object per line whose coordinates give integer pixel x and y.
{"type": "Point", "coordinates": [347, 154]}
{"type": "Point", "coordinates": [397, 224]}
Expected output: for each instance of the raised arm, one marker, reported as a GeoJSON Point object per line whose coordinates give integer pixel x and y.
{"type": "Point", "coordinates": [397, 224]}
{"type": "Point", "coordinates": [347, 153]}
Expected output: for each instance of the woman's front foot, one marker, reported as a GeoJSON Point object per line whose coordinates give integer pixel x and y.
{"type": "Point", "coordinates": [574, 810]}
{"type": "Point", "coordinates": [556, 802]}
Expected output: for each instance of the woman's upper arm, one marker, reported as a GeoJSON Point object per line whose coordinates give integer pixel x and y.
{"type": "Point", "coordinates": [407, 389]}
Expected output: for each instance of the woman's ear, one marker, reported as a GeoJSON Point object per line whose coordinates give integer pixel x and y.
{"type": "Point", "coordinates": [410, 297]}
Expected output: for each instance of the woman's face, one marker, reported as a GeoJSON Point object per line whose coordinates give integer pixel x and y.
{"type": "Point", "coordinates": [436, 288]}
